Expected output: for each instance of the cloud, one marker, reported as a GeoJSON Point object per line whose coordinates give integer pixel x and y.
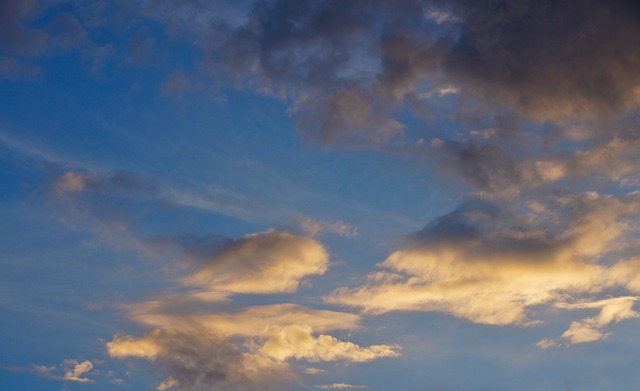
{"type": "Point", "coordinates": [615, 160]}
{"type": "Point", "coordinates": [298, 342]}
{"type": "Point", "coordinates": [199, 338]}
{"type": "Point", "coordinates": [249, 321]}
{"type": "Point", "coordinates": [318, 227]}
{"type": "Point", "coordinates": [537, 58]}
{"type": "Point", "coordinates": [202, 349]}
{"type": "Point", "coordinates": [71, 370]}
{"type": "Point", "coordinates": [79, 368]}
{"type": "Point", "coordinates": [269, 262]}
{"type": "Point", "coordinates": [591, 329]}
{"type": "Point", "coordinates": [341, 386]}
{"type": "Point", "coordinates": [194, 358]}
{"type": "Point", "coordinates": [12, 15]}
{"type": "Point", "coordinates": [491, 263]}
{"type": "Point", "coordinates": [347, 69]}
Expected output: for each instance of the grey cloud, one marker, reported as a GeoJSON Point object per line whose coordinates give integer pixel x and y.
{"type": "Point", "coordinates": [349, 68]}
{"type": "Point", "coordinates": [548, 59]}
{"type": "Point", "coordinates": [545, 60]}
{"type": "Point", "coordinates": [16, 70]}
{"type": "Point", "coordinates": [485, 166]}
{"type": "Point", "coordinates": [12, 15]}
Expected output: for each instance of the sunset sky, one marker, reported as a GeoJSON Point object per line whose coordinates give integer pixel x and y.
{"type": "Point", "coordinates": [293, 195]}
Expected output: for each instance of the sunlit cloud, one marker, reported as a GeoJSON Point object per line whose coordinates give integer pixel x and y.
{"type": "Point", "coordinates": [268, 262]}
{"type": "Point", "coordinates": [70, 370]}
{"type": "Point", "coordinates": [199, 342]}
{"type": "Point", "coordinates": [591, 329]}
{"type": "Point", "coordinates": [203, 349]}
{"type": "Point", "coordinates": [488, 265]}
{"type": "Point", "coordinates": [528, 110]}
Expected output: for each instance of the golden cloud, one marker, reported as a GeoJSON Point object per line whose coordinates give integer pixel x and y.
{"type": "Point", "coordinates": [268, 262]}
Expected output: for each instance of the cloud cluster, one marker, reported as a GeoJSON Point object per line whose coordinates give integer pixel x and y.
{"type": "Point", "coordinates": [522, 100]}
{"type": "Point", "coordinates": [347, 67]}
{"type": "Point", "coordinates": [249, 349]}
{"type": "Point", "coordinates": [490, 263]}
{"type": "Point", "coordinates": [350, 70]}
{"type": "Point", "coordinates": [200, 344]}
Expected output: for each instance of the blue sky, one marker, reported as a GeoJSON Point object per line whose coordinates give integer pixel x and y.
{"type": "Point", "coordinates": [308, 195]}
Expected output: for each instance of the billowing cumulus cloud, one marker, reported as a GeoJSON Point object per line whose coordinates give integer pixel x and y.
{"type": "Point", "coordinates": [268, 262]}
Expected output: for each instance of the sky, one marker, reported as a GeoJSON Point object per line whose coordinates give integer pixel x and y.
{"type": "Point", "coordinates": [417, 195]}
